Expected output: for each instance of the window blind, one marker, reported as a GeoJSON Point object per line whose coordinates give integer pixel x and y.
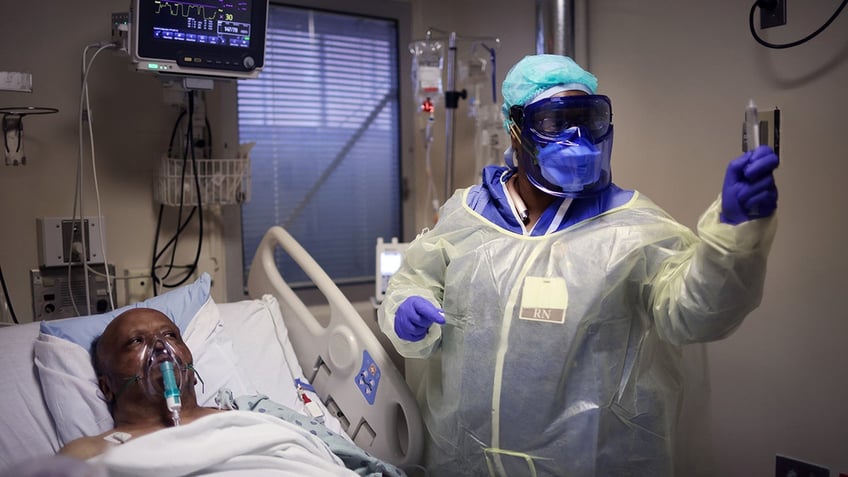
{"type": "Point", "coordinates": [325, 118]}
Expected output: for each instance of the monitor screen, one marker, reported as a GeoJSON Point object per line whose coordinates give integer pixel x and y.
{"type": "Point", "coordinates": [207, 37]}
{"type": "Point", "coordinates": [389, 263]}
{"type": "Point", "coordinates": [389, 260]}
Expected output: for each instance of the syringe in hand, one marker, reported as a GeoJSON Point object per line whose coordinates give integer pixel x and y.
{"type": "Point", "coordinates": [172, 392]}
{"type": "Point", "coordinates": [752, 126]}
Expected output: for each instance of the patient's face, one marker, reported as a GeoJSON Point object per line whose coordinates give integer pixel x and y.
{"type": "Point", "coordinates": [123, 346]}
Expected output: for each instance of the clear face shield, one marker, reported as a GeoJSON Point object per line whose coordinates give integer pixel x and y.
{"type": "Point", "coordinates": [566, 142]}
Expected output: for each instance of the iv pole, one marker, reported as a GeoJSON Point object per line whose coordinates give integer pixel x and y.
{"type": "Point", "coordinates": [451, 103]}
{"type": "Point", "coordinates": [452, 98]}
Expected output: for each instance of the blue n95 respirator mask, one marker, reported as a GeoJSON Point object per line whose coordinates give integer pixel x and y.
{"type": "Point", "coordinates": [566, 143]}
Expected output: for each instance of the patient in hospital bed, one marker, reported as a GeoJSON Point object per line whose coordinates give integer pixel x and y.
{"type": "Point", "coordinates": [133, 359]}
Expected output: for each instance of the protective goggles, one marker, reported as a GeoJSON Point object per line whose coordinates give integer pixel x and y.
{"type": "Point", "coordinates": [546, 120]}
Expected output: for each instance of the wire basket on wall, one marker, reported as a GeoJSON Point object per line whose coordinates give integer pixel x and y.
{"type": "Point", "coordinates": [222, 181]}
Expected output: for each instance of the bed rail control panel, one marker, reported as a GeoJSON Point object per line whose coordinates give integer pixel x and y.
{"type": "Point", "coordinates": [368, 378]}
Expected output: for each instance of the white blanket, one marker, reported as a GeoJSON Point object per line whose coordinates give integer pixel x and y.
{"type": "Point", "coordinates": [226, 443]}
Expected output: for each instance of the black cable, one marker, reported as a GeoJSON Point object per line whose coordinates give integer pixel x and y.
{"type": "Point", "coordinates": [175, 239]}
{"type": "Point", "coordinates": [155, 246]}
{"type": "Point", "coordinates": [208, 137]}
{"type": "Point", "coordinates": [174, 132]}
{"type": "Point", "coordinates": [8, 299]}
{"type": "Point", "coordinates": [181, 225]}
{"type": "Point", "coordinates": [794, 43]}
{"type": "Point", "coordinates": [157, 255]}
{"type": "Point", "coordinates": [199, 207]}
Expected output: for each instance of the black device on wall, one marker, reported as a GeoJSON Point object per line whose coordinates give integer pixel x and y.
{"type": "Point", "coordinates": [220, 38]}
{"type": "Point", "coordinates": [62, 292]}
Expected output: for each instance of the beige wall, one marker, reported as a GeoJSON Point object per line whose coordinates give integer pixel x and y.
{"type": "Point", "coordinates": [132, 123]}
{"type": "Point", "coordinates": [679, 74]}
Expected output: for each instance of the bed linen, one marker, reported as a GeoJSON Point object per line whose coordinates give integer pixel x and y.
{"type": "Point", "coordinates": [230, 443]}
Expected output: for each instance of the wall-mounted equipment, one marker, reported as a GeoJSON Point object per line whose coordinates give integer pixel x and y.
{"type": "Point", "coordinates": [219, 181]}
{"type": "Point", "coordinates": [16, 81]}
{"type": "Point", "coordinates": [219, 38]}
{"type": "Point", "coordinates": [66, 241]}
{"type": "Point", "coordinates": [13, 131]}
{"type": "Point", "coordinates": [62, 292]}
{"type": "Point", "coordinates": [772, 13]}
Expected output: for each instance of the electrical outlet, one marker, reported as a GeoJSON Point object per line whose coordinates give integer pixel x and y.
{"type": "Point", "coordinates": [772, 13]}
{"type": "Point", "coordinates": [60, 240]}
{"type": "Point", "coordinates": [789, 467]}
{"type": "Point", "coordinates": [138, 285]}
{"type": "Point", "coordinates": [120, 29]}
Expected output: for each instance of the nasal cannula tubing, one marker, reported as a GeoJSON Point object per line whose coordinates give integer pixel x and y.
{"type": "Point", "coordinates": [172, 392]}
{"type": "Point", "coordinates": [752, 126]}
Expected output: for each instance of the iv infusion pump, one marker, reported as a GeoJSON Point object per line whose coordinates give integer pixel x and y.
{"type": "Point", "coordinates": [218, 38]}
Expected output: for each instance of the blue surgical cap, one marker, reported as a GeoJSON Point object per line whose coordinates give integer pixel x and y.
{"type": "Point", "coordinates": [536, 73]}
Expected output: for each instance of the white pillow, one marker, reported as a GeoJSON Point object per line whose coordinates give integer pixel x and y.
{"type": "Point", "coordinates": [215, 360]}
{"type": "Point", "coordinates": [266, 354]}
{"type": "Point", "coordinates": [73, 397]}
{"type": "Point", "coordinates": [267, 357]}
{"type": "Point", "coordinates": [27, 428]}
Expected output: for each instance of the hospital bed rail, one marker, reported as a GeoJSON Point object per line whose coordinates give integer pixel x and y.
{"type": "Point", "coordinates": [380, 415]}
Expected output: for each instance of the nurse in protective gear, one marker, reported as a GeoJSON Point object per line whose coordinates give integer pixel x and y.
{"type": "Point", "coordinates": [551, 305]}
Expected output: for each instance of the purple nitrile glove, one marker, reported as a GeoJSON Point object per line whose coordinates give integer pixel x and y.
{"type": "Point", "coordinates": [414, 317]}
{"type": "Point", "coordinates": [749, 191]}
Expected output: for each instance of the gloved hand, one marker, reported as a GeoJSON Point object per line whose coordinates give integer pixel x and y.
{"type": "Point", "coordinates": [414, 317]}
{"type": "Point", "coordinates": [749, 191]}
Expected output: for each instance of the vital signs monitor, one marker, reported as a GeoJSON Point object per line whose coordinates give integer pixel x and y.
{"type": "Point", "coordinates": [221, 38]}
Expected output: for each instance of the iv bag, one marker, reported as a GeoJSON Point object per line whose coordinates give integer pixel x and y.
{"type": "Point", "coordinates": [477, 74]}
{"type": "Point", "coordinates": [490, 138]}
{"type": "Point", "coordinates": [427, 65]}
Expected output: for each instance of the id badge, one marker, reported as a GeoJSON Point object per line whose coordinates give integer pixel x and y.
{"type": "Point", "coordinates": [544, 299]}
